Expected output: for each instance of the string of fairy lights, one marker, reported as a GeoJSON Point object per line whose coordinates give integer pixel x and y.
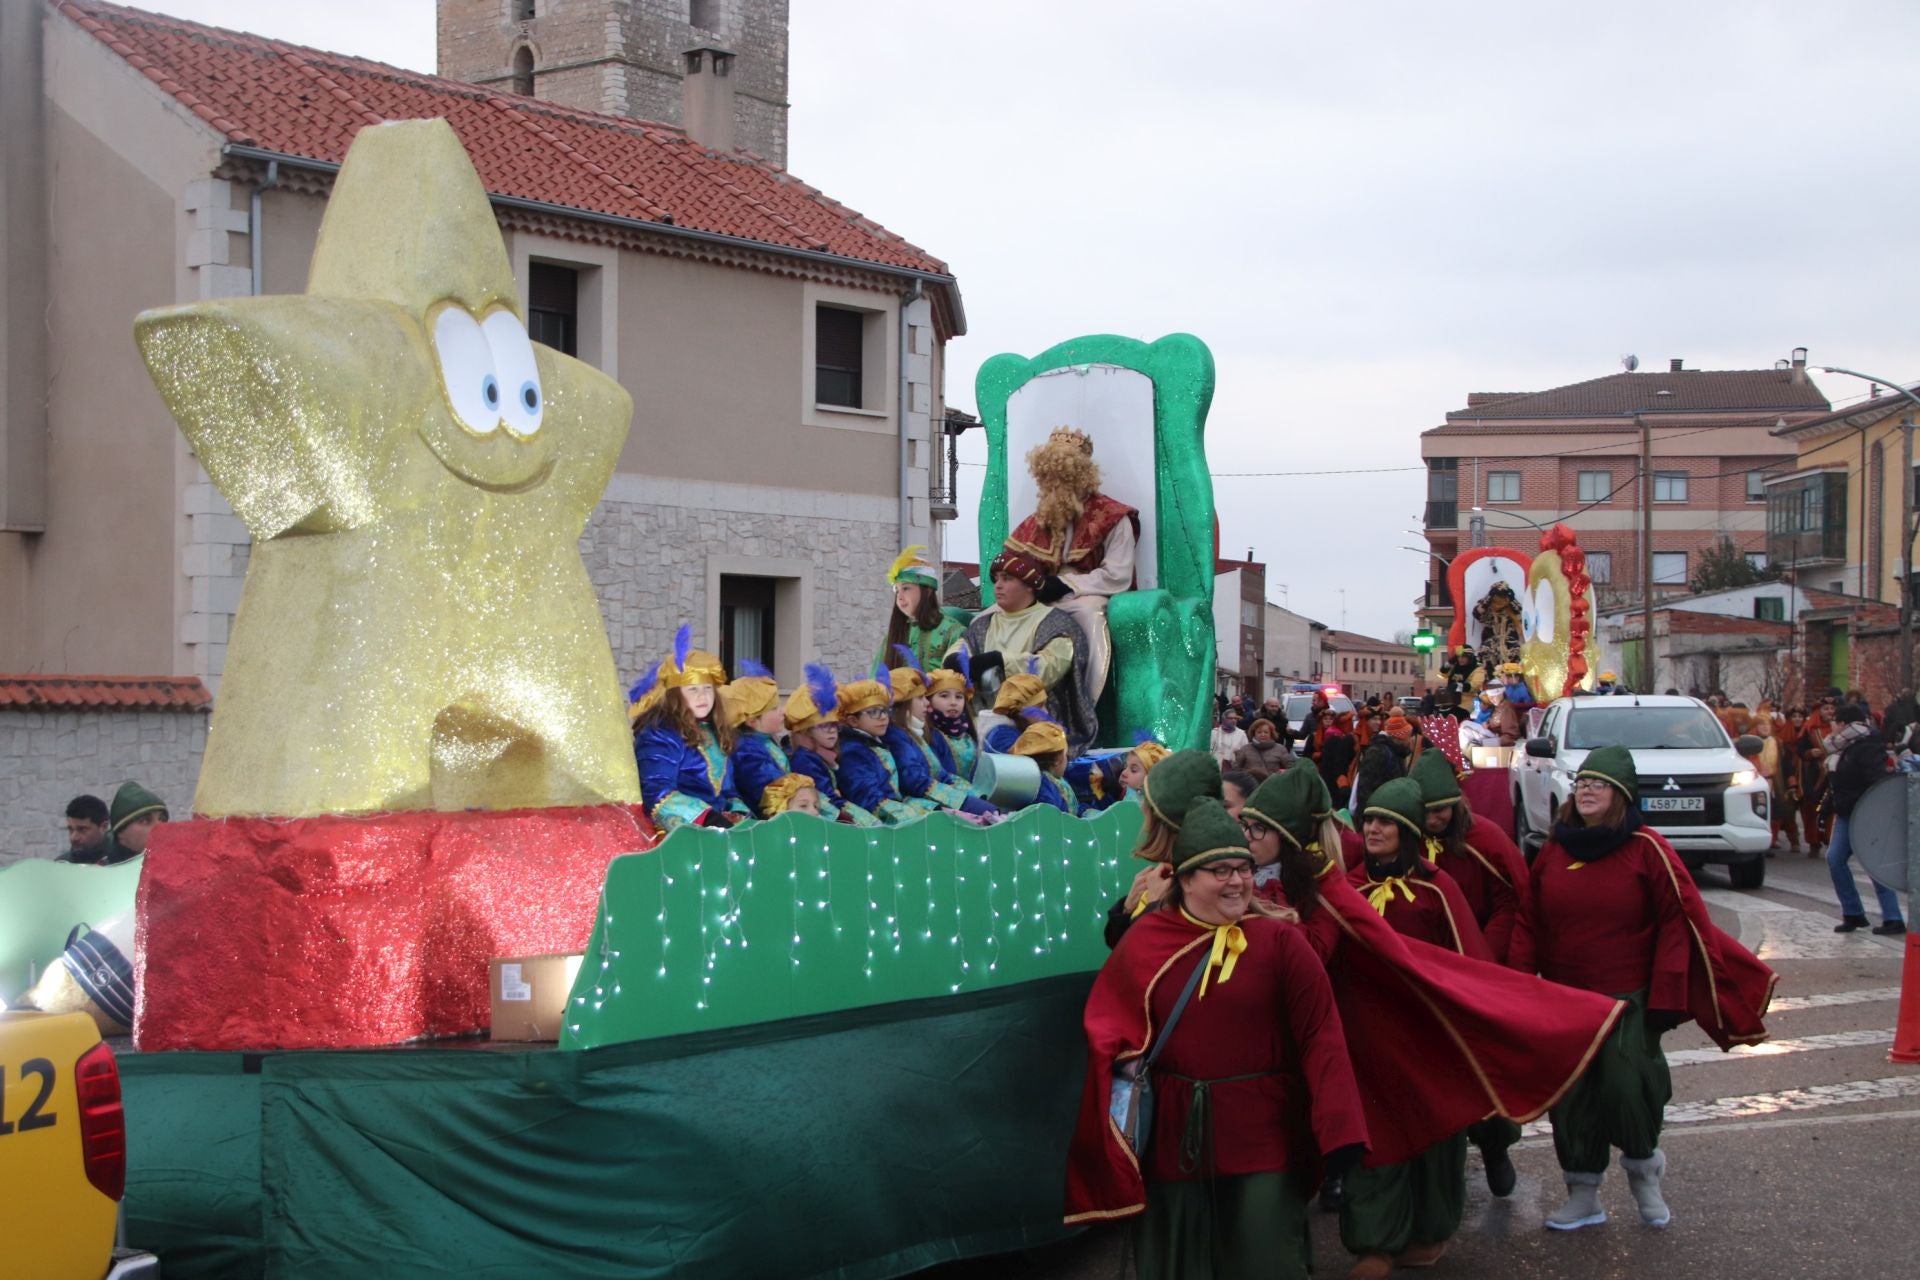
{"type": "Point", "coordinates": [708, 882]}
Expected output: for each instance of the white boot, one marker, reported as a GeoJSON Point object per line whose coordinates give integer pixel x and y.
{"type": "Point", "coordinates": [1643, 1178]}
{"type": "Point", "coordinates": [1582, 1208]}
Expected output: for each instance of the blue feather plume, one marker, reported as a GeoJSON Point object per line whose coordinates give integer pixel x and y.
{"type": "Point", "coordinates": [821, 688]}
{"type": "Point", "coordinates": [1033, 666]}
{"type": "Point", "coordinates": [1142, 735]}
{"type": "Point", "coordinates": [747, 668]}
{"type": "Point", "coordinates": [682, 646]}
{"type": "Point", "coordinates": [881, 673]}
{"type": "Point", "coordinates": [906, 657]}
{"type": "Point", "coordinates": [1037, 715]}
{"type": "Point", "coordinates": [644, 685]}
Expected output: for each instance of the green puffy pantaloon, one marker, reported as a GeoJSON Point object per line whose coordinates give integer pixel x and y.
{"type": "Point", "coordinates": [1397, 1206]}
{"type": "Point", "coordinates": [1619, 1099]}
{"type": "Point", "coordinates": [1247, 1227]}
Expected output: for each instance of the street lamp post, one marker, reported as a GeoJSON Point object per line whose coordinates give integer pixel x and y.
{"type": "Point", "coordinates": [1907, 530]}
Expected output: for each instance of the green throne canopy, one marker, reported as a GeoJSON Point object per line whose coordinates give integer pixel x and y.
{"type": "Point", "coordinates": [1145, 406]}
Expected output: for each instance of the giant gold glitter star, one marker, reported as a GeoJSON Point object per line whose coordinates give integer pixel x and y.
{"type": "Point", "coordinates": [416, 629]}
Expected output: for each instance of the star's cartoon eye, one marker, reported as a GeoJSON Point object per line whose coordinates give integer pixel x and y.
{"type": "Point", "coordinates": [513, 357]}
{"type": "Point", "coordinates": [467, 370]}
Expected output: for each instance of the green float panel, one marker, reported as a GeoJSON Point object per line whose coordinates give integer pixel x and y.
{"type": "Point", "coordinates": [796, 916]}
{"type": "Point", "coordinates": [1145, 406]}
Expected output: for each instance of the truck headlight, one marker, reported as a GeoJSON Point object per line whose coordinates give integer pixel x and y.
{"type": "Point", "coordinates": [1759, 799]}
{"type": "Point", "coordinates": [1744, 778]}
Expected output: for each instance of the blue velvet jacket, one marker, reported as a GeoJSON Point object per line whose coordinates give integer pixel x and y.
{"type": "Point", "coordinates": [1000, 739]}
{"type": "Point", "coordinates": [679, 782]}
{"type": "Point", "coordinates": [809, 762]}
{"type": "Point", "coordinates": [1053, 792]}
{"type": "Point", "coordinates": [758, 760]}
{"type": "Point", "coordinates": [869, 778]}
{"type": "Point", "coordinates": [922, 774]}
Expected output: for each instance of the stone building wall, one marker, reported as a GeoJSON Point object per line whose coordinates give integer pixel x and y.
{"type": "Point", "coordinates": [49, 757]}
{"type": "Point", "coordinates": [651, 545]}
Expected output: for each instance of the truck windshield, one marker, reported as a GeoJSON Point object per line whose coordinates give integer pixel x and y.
{"type": "Point", "coordinates": [1644, 728]}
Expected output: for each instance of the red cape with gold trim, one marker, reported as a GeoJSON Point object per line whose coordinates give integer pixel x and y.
{"type": "Point", "coordinates": [1440, 1041]}
{"type": "Point", "coordinates": [1728, 987]}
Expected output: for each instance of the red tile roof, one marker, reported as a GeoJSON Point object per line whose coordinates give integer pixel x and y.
{"type": "Point", "coordinates": [103, 693]}
{"type": "Point", "coordinates": [295, 101]}
{"type": "Point", "coordinates": [1689, 390]}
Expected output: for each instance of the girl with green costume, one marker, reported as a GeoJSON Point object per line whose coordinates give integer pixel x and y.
{"type": "Point", "coordinates": [917, 622]}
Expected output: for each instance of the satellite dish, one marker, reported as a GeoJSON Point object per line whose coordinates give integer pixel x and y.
{"type": "Point", "coordinates": [1629, 363]}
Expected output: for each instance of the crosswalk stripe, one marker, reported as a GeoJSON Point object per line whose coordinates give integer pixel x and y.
{"type": "Point", "coordinates": [1749, 1105]}
{"type": "Point", "coordinates": [1774, 1048]}
{"type": "Point", "coordinates": [1871, 995]}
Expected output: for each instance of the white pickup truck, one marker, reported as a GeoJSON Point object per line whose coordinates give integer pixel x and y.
{"type": "Point", "coordinates": [1695, 788]}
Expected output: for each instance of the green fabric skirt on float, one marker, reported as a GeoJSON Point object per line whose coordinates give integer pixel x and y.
{"type": "Point", "coordinates": [1619, 1101]}
{"type": "Point", "coordinates": [1397, 1206]}
{"type": "Point", "coordinates": [1246, 1227]}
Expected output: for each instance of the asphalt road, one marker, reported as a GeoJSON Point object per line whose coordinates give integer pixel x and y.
{"type": "Point", "coordinates": [1798, 1158]}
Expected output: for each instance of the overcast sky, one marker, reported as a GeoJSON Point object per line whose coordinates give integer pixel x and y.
{"type": "Point", "coordinates": [1366, 210]}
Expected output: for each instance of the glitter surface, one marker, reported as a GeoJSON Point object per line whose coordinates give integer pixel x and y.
{"type": "Point", "coordinates": [358, 931]}
{"type": "Point", "coordinates": [417, 630]}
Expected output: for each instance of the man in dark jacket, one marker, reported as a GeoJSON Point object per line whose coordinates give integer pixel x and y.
{"type": "Point", "coordinates": [1857, 758]}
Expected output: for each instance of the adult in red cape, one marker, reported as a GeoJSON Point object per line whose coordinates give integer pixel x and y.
{"type": "Point", "coordinates": [1439, 1040]}
{"type": "Point", "coordinates": [1481, 858]}
{"type": "Point", "coordinates": [1613, 910]}
{"type": "Point", "coordinates": [1254, 1090]}
{"type": "Point", "coordinates": [1404, 1214]}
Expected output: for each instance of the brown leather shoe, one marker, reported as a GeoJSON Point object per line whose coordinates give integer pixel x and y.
{"type": "Point", "coordinates": [1372, 1266]}
{"type": "Point", "coordinates": [1422, 1255]}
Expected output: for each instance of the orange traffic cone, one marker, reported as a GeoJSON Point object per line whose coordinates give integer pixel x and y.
{"type": "Point", "coordinates": [1906, 1033]}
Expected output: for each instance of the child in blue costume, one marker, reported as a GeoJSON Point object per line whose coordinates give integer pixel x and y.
{"type": "Point", "coordinates": [919, 770]}
{"type": "Point", "coordinates": [949, 727]}
{"type": "Point", "coordinates": [813, 745]}
{"type": "Point", "coordinates": [867, 773]}
{"type": "Point", "coordinates": [790, 793]}
{"type": "Point", "coordinates": [1020, 693]}
{"type": "Point", "coordinates": [678, 743]}
{"type": "Point", "coordinates": [750, 708]}
{"type": "Point", "coordinates": [1045, 743]}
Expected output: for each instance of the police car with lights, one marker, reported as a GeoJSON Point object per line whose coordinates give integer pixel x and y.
{"type": "Point", "coordinates": [1696, 789]}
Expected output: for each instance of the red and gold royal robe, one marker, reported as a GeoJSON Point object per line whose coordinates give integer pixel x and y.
{"type": "Point", "coordinates": [1273, 1017]}
{"type": "Point", "coordinates": [1633, 920]}
{"type": "Point", "coordinates": [1440, 1040]}
{"type": "Point", "coordinates": [1090, 532]}
{"type": "Point", "coordinates": [1492, 876]}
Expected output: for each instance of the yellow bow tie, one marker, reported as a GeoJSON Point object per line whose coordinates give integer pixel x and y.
{"type": "Point", "coordinates": [1381, 892]}
{"type": "Point", "coordinates": [1229, 940]}
{"type": "Point", "coordinates": [1434, 849]}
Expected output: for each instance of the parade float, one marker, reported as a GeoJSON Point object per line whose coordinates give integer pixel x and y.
{"type": "Point", "coordinates": [792, 1047]}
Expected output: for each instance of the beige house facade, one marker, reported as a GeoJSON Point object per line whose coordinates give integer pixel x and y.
{"type": "Point", "coordinates": [748, 500]}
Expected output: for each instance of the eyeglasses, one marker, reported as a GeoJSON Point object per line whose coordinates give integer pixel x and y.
{"type": "Point", "coordinates": [1253, 829]}
{"type": "Point", "coordinates": [877, 713]}
{"type": "Point", "coordinates": [1224, 871]}
{"type": "Point", "coordinates": [1591, 784]}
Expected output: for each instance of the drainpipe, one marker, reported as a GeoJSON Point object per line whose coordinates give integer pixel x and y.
{"type": "Point", "coordinates": [255, 226]}
{"type": "Point", "coordinates": [906, 301]}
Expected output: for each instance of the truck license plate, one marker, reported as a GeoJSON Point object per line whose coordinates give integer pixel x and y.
{"type": "Point", "coordinates": [1674, 804]}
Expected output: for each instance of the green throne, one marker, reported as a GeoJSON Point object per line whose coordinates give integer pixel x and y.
{"type": "Point", "coordinates": [1145, 405]}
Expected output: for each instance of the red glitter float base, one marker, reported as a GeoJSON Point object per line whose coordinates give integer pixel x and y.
{"type": "Point", "coordinates": [335, 933]}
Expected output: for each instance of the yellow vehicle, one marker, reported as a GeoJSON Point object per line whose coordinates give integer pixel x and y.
{"type": "Point", "coordinates": [63, 1152]}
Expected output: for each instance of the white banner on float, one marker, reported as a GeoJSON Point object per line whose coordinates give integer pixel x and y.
{"type": "Point", "coordinates": [1115, 407]}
